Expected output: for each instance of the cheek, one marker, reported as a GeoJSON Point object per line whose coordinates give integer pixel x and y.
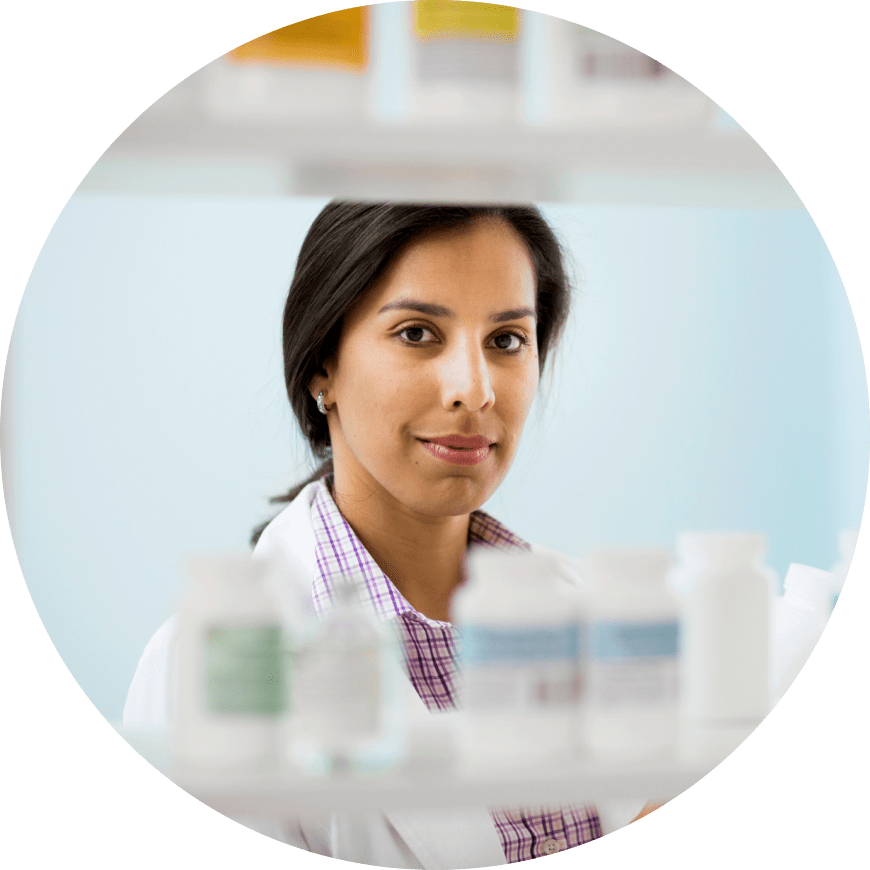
{"type": "Point", "coordinates": [520, 394]}
{"type": "Point", "coordinates": [376, 396]}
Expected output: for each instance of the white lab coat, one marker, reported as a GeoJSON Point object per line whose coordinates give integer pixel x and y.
{"type": "Point", "coordinates": [430, 839]}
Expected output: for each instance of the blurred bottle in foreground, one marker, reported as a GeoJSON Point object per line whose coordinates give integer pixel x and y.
{"type": "Point", "coordinates": [799, 618]}
{"type": "Point", "coordinates": [634, 668]}
{"type": "Point", "coordinates": [232, 661]}
{"type": "Point", "coordinates": [521, 624]}
{"type": "Point", "coordinates": [728, 591]}
{"type": "Point", "coordinates": [348, 711]}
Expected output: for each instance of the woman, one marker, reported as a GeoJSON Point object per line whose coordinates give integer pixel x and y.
{"type": "Point", "coordinates": [414, 338]}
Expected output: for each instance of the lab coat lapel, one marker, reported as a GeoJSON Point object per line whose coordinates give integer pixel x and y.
{"type": "Point", "coordinates": [449, 839]}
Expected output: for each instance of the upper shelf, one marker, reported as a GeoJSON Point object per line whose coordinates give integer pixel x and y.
{"type": "Point", "coordinates": [448, 119]}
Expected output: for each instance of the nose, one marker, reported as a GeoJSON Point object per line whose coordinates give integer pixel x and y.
{"type": "Point", "coordinates": [465, 378]}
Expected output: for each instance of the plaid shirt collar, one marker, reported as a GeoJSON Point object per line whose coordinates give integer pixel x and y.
{"type": "Point", "coordinates": [340, 552]}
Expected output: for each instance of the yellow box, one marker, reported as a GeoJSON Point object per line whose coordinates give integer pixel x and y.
{"type": "Point", "coordinates": [337, 39]}
{"type": "Point", "coordinates": [437, 19]}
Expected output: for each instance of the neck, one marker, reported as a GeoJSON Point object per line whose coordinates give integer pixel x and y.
{"type": "Point", "coordinates": [423, 556]}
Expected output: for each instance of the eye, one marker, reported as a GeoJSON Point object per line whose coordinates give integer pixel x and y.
{"type": "Point", "coordinates": [511, 342]}
{"type": "Point", "coordinates": [416, 334]}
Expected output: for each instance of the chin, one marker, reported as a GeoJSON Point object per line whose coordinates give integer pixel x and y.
{"type": "Point", "coordinates": [451, 497]}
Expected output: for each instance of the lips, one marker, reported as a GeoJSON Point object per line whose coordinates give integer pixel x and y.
{"type": "Point", "coordinates": [459, 449]}
{"type": "Point", "coordinates": [461, 442]}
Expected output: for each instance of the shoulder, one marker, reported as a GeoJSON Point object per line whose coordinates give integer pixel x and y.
{"type": "Point", "coordinates": [288, 541]}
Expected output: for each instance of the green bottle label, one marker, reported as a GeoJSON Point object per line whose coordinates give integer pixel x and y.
{"type": "Point", "coordinates": [244, 670]}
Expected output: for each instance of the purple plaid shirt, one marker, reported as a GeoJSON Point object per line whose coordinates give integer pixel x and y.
{"type": "Point", "coordinates": [430, 648]}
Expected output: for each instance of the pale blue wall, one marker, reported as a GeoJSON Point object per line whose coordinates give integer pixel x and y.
{"type": "Point", "coordinates": [712, 377]}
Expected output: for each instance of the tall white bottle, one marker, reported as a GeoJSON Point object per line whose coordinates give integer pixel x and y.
{"type": "Point", "coordinates": [634, 653]}
{"type": "Point", "coordinates": [520, 618]}
{"type": "Point", "coordinates": [799, 618]}
{"type": "Point", "coordinates": [727, 628]}
{"type": "Point", "coordinates": [231, 666]}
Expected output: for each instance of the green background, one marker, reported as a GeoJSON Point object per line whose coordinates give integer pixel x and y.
{"type": "Point", "coordinates": [77, 74]}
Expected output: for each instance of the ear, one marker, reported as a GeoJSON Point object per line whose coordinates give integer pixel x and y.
{"type": "Point", "coordinates": [321, 381]}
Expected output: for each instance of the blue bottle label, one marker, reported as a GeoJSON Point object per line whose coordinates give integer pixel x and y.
{"type": "Point", "coordinates": [489, 644]}
{"type": "Point", "coordinates": [634, 663]}
{"type": "Point", "coordinates": [624, 640]}
{"type": "Point", "coordinates": [521, 669]}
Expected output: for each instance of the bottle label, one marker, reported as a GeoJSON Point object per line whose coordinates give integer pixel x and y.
{"type": "Point", "coordinates": [244, 670]}
{"type": "Point", "coordinates": [338, 38]}
{"type": "Point", "coordinates": [490, 644]}
{"type": "Point", "coordinates": [521, 668]}
{"type": "Point", "coordinates": [634, 663]}
{"type": "Point", "coordinates": [446, 19]}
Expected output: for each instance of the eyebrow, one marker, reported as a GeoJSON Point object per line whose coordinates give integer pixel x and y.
{"type": "Point", "coordinates": [440, 311]}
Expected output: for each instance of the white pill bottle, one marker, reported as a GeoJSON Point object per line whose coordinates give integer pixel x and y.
{"type": "Point", "coordinates": [521, 623]}
{"type": "Point", "coordinates": [634, 653]}
{"type": "Point", "coordinates": [231, 666]}
{"type": "Point", "coordinates": [799, 618]}
{"type": "Point", "coordinates": [729, 592]}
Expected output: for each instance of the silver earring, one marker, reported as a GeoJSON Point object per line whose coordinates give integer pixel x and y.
{"type": "Point", "coordinates": [320, 396]}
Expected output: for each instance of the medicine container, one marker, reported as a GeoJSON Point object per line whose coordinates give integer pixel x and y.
{"type": "Point", "coordinates": [317, 70]}
{"type": "Point", "coordinates": [799, 615]}
{"type": "Point", "coordinates": [233, 652]}
{"type": "Point", "coordinates": [634, 653]}
{"type": "Point", "coordinates": [728, 592]}
{"type": "Point", "coordinates": [586, 79]}
{"type": "Point", "coordinates": [520, 618]}
{"type": "Point", "coordinates": [348, 712]}
{"type": "Point", "coordinates": [464, 61]}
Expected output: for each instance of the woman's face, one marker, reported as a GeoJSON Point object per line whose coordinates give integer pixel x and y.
{"type": "Point", "coordinates": [436, 370]}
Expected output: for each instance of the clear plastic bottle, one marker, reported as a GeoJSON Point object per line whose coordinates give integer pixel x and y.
{"type": "Point", "coordinates": [727, 627]}
{"type": "Point", "coordinates": [348, 711]}
{"type": "Point", "coordinates": [520, 618]}
{"type": "Point", "coordinates": [799, 618]}
{"type": "Point", "coordinates": [634, 653]}
{"type": "Point", "coordinates": [231, 666]}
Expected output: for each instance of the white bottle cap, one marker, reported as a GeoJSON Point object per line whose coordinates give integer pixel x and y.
{"type": "Point", "coordinates": [722, 549]}
{"type": "Point", "coordinates": [810, 587]}
{"type": "Point", "coordinates": [509, 566]}
{"type": "Point", "coordinates": [628, 564]}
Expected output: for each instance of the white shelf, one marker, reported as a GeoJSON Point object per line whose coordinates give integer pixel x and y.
{"type": "Point", "coordinates": [437, 162]}
{"type": "Point", "coordinates": [280, 794]}
{"type": "Point", "coordinates": [548, 128]}
{"type": "Point", "coordinates": [437, 782]}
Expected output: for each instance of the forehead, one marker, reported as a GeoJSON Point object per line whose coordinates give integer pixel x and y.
{"type": "Point", "coordinates": [484, 265]}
